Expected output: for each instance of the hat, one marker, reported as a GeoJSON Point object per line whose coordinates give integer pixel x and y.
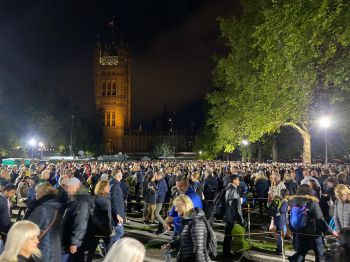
{"type": "Point", "coordinates": [73, 182]}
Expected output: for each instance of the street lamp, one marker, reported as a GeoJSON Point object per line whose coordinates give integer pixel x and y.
{"type": "Point", "coordinates": [245, 142]}
{"type": "Point", "coordinates": [32, 142]}
{"type": "Point", "coordinates": [325, 122]}
{"type": "Point", "coordinates": [41, 148]}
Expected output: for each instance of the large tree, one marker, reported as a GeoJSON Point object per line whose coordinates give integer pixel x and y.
{"type": "Point", "coordinates": [286, 59]}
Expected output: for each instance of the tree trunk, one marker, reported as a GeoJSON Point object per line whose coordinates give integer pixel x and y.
{"type": "Point", "coordinates": [305, 135]}
{"type": "Point", "coordinates": [306, 147]}
{"type": "Point", "coordinates": [260, 153]}
{"type": "Point", "coordinates": [274, 149]}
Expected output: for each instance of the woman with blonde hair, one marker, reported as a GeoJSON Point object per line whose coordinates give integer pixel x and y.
{"type": "Point", "coordinates": [22, 243]}
{"type": "Point", "coordinates": [192, 243]}
{"type": "Point", "coordinates": [342, 207]}
{"type": "Point", "coordinates": [276, 186]}
{"type": "Point", "coordinates": [127, 250]}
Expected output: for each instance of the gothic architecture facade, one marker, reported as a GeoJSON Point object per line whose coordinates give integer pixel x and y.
{"type": "Point", "coordinates": [112, 91]}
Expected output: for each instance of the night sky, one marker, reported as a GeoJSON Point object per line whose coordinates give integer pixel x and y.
{"type": "Point", "coordinates": [172, 45]}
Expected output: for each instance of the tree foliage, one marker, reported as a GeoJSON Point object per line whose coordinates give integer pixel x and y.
{"type": "Point", "coordinates": [286, 60]}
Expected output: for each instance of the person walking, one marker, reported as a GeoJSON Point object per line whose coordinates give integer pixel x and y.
{"type": "Point", "coordinates": [233, 212]}
{"type": "Point", "coordinates": [45, 212]}
{"type": "Point", "coordinates": [117, 204]}
{"type": "Point", "coordinates": [162, 189]}
{"type": "Point", "coordinates": [307, 224]}
{"type": "Point", "coordinates": [77, 234]}
{"type": "Point", "coordinates": [342, 207]}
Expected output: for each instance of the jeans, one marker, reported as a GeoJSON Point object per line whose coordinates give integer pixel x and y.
{"type": "Point", "coordinates": [119, 232]}
{"type": "Point", "coordinates": [303, 244]}
{"type": "Point", "coordinates": [1, 245]}
{"type": "Point", "coordinates": [280, 230]}
{"type": "Point", "coordinates": [158, 216]}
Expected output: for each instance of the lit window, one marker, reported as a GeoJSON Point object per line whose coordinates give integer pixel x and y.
{"type": "Point", "coordinates": [103, 89]}
{"type": "Point", "coordinates": [109, 89]}
{"type": "Point", "coordinates": [108, 118]}
{"type": "Point", "coordinates": [113, 118]}
{"type": "Point", "coordinates": [114, 89]}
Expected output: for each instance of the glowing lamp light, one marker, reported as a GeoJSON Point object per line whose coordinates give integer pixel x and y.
{"type": "Point", "coordinates": [245, 142]}
{"type": "Point", "coordinates": [32, 142]}
{"type": "Point", "coordinates": [41, 144]}
{"type": "Point", "coordinates": [200, 152]}
{"type": "Point", "coordinates": [325, 122]}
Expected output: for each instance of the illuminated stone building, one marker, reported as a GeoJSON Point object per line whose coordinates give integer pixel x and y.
{"type": "Point", "coordinates": [112, 91]}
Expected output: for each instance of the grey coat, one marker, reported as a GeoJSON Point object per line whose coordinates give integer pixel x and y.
{"type": "Point", "coordinates": [341, 214]}
{"type": "Point", "coordinates": [193, 239]}
{"type": "Point", "coordinates": [43, 215]}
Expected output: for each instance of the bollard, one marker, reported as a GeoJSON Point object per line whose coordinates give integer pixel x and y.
{"type": "Point", "coordinates": [283, 250]}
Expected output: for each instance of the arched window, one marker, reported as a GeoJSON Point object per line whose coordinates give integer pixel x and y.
{"type": "Point", "coordinates": [114, 89]}
{"type": "Point", "coordinates": [109, 89]}
{"type": "Point", "coordinates": [108, 118]}
{"type": "Point", "coordinates": [103, 93]}
{"type": "Point", "coordinates": [113, 118]}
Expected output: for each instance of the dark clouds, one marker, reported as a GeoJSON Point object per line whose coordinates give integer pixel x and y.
{"type": "Point", "coordinates": [172, 44]}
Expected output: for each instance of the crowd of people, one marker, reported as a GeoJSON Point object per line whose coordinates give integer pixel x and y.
{"type": "Point", "coordinates": [70, 208]}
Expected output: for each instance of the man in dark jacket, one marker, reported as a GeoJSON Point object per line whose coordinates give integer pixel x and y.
{"type": "Point", "coordinates": [309, 235]}
{"type": "Point", "coordinates": [46, 213]}
{"type": "Point", "coordinates": [211, 187]}
{"type": "Point", "coordinates": [162, 189]}
{"type": "Point", "coordinates": [77, 234]}
{"type": "Point", "coordinates": [5, 207]}
{"type": "Point", "coordinates": [117, 203]}
{"type": "Point", "coordinates": [233, 212]}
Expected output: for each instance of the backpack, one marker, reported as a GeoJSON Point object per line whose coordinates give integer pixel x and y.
{"type": "Point", "coordinates": [219, 203]}
{"type": "Point", "coordinates": [212, 242]}
{"type": "Point", "coordinates": [274, 208]}
{"type": "Point", "coordinates": [299, 217]}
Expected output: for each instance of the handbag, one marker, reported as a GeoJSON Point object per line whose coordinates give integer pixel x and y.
{"type": "Point", "coordinates": [48, 228]}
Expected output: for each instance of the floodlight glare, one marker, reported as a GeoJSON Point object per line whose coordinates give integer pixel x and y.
{"type": "Point", "coordinates": [200, 152]}
{"type": "Point", "coordinates": [32, 142]}
{"type": "Point", "coordinates": [41, 144]}
{"type": "Point", "coordinates": [325, 122]}
{"type": "Point", "coordinates": [245, 142]}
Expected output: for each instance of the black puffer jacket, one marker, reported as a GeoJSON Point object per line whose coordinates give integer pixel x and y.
{"type": "Point", "coordinates": [46, 211]}
{"type": "Point", "coordinates": [192, 242]}
{"type": "Point", "coordinates": [77, 225]}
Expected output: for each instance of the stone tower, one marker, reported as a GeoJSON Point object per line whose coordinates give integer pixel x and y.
{"type": "Point", "coordinates": [112, 90]}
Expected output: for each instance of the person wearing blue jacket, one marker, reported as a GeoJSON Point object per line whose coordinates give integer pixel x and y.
{"type": "Point", "coordinates": [162, 189]}
{"type": "Point", "coordinates": [183, 186]}
{"type": "Point", "coordinates": [117, 204]}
